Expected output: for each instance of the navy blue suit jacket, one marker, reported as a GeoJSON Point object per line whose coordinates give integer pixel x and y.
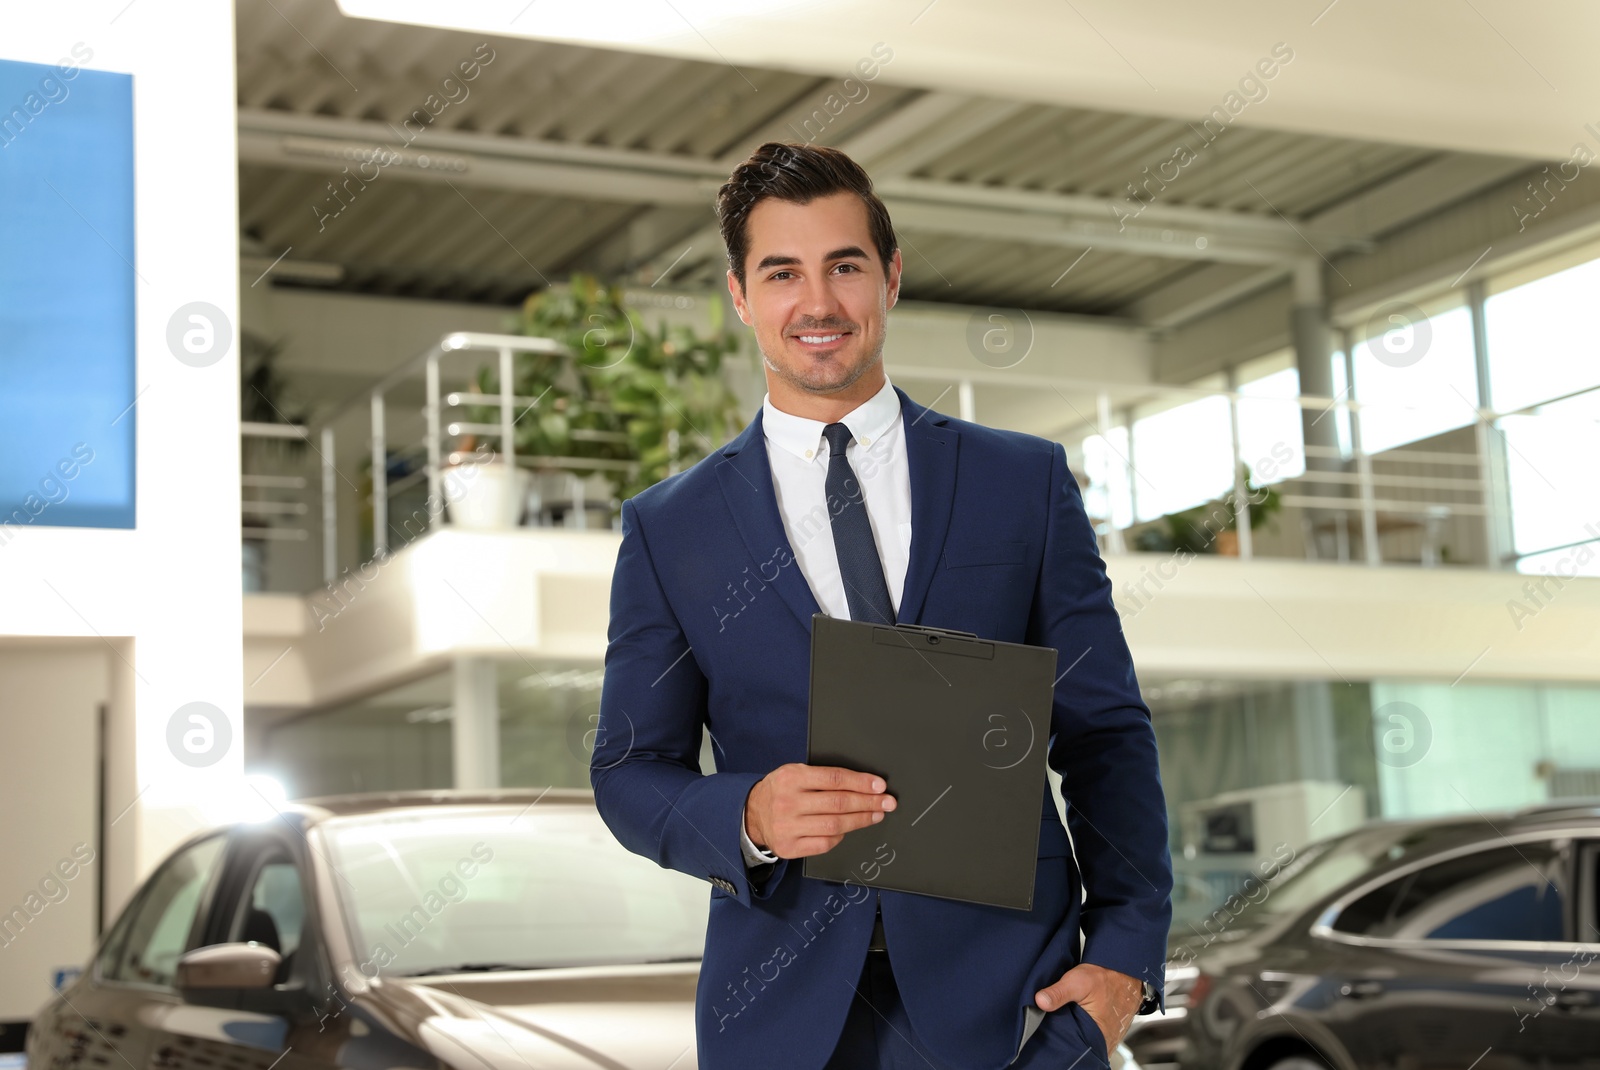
{"type": "Point", "coordinates": [710, 626]}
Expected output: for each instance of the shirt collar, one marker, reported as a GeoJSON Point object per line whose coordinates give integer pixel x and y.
{"type": "Point", "coordinates": [803, 437]}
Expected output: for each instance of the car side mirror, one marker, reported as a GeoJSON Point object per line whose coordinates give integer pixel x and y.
{"type": "Point", "coordinates": [230, 966]}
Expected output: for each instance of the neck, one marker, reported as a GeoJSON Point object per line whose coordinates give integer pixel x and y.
{"type": "Point", "coordinates": [828, 408]}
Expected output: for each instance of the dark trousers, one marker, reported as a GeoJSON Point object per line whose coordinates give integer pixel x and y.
{"type": "Point", "coordinates": [877, 1034]}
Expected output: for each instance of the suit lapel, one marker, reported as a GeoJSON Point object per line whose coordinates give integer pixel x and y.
{"type": "Point", "coordinates": [931, 446]}
{"type": "Point", "coordinates": [746, 479]}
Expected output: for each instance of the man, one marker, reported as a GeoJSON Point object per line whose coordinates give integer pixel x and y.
{"type": "Point", "coordinates": [845, 496]}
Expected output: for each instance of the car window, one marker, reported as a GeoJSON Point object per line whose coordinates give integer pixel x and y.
{"type": "Point", "coordinates": [545, 888]}
{"type": "Point", "coordinates": [1318, 871]}
{"type": "Point", "coordinates": [1510, 892]}
{"type": "Point", "coordinates": [158, 928]}
{"type": "Point", "coordinates": [273, 912]}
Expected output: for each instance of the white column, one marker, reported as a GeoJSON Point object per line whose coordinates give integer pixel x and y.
{"type": "Point", "coordinates": [475, 727]}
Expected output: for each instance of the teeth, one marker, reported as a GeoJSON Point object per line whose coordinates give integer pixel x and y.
{"type": "Point", "coordinates": [820, 339]}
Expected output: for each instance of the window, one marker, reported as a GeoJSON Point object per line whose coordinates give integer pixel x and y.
{"type": "Point", "coordinates": [1271, 431]}
{"type": "Point", "coordinates": [1105, 462]}
{"type": "Point", "coordinates": [273, 914]}
{"type": "Point", "coordinates": [1504, 893]}
{"type": "Point", "coordinates": [551, 887]}
{"type": "Point", "coordinates": [1541, 342]}
{"type": "Point", "coordinates": [1554, 499]}
{"type": "Point", "coordinates": [1420, 377]}
{"type": "Point", "coordinates": [159, 924]}
{"type": "Point", "coordinates": [1182, 455]}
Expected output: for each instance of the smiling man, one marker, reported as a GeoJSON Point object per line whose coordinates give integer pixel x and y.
{"type": "Point", "coordinates": [844, 496]}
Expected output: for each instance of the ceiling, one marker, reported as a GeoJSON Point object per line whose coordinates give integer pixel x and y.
{"type": "Point", "coordinates": [558, 157]}
{"type": "Point", "coordinates": [1494, 76]}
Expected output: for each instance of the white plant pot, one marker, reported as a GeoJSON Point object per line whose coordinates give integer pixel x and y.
{"type": "Point", "coordinates": [486, 495]}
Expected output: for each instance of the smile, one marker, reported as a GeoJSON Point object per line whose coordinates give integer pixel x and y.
{"type": "Point", "coordinates": [820, 339]}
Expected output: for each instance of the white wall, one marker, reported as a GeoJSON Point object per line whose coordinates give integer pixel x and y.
{"type": "Point", "coordinates": [52, 693]}
{"type": "Point", "coordinates": [163, 600]}
{"type": "Point", "coordinates": [1212, 616]}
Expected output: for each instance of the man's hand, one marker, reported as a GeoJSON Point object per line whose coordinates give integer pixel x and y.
{"type": "Point", "coordinates": [799, 810]}
{"type": "Point", "coordinates": [1111, 998]}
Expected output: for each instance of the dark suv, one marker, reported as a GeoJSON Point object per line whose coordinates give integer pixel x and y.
{"type": "Point", "coordinates": [1470, 943]}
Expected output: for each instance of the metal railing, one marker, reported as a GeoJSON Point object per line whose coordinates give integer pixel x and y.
{"type": "Point", "coordinates": [1426, 498]}
{"type": "Point", "coordinates": [430, 445]}
{"type": "Point", "coordinates": [1345, 494]}
{"type": "Point", "coordinates": [273, 509]}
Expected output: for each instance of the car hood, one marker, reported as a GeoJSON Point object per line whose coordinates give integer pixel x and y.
{"type": "Point", "coordinates": [563, 1019]}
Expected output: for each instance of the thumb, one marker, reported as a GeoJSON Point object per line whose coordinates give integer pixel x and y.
{"type": "Point", "coordinates": [1072, 987]}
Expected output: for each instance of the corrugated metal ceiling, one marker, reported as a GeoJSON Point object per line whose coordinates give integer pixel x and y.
{"type": "Point", "coordinates": [461, 241]}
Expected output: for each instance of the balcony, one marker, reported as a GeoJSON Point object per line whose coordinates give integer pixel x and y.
{"type": "Point", "coordinates": [361, 574]}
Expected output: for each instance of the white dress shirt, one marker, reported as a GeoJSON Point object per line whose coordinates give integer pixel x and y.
{"type": "Point", "coordinates": [798, 456]}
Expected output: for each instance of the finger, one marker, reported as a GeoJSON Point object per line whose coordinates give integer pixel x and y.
{"type": "Point", "coordinates": [834, 825]}
{"type": "Point", "coordinates": [837, 778]}
{"type": "Point", "coordinates": [1070, 989]}
{"type": "Point", "coordinates": [807, 846]}
{"type": "Point", "coordinates": [843, 802]}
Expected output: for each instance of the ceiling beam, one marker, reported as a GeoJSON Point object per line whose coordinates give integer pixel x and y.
{"type": "Point", "coordinates": [1439, 182]}
{"type": "Point", "coordinates": [322, 144]}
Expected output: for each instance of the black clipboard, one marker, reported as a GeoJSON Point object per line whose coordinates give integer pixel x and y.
{"type": "Point", "coordinates": [958, 728]}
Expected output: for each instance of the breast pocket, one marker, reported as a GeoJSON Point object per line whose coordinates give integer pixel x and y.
{"type": "Point", "coordinates": [968, 554]}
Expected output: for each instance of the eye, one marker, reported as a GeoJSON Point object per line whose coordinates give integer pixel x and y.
{"type": "Point", "coordinates": [779, 274]}
{"type": "Point", "coordinates": [852, 267]}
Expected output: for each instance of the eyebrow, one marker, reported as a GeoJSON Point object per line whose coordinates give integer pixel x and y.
{"type": "Point", "coordinates": [844, 253]}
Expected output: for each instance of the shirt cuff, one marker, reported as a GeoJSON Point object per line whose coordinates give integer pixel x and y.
{"type": "Point", "coordinates": [753, 855]}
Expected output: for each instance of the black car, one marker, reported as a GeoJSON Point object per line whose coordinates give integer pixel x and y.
{"type": "Point", "coordinates": [452, 930]}
{"type": "Point", "coordinates": [1469, 943]}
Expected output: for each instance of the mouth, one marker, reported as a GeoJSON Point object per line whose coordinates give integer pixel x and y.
{"type": "Point", "coordinates": [820, 341]}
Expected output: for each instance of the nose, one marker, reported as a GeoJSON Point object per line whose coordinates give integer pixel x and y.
{"type": "Point", "coordinates": [819, 302]}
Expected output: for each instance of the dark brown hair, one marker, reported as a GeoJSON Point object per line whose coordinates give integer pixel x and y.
{"type": "Point", "coordinates": [798, 174]}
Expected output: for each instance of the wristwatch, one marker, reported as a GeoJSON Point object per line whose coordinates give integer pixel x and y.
{"type": "Point", "coordinates": [1151, 1003]}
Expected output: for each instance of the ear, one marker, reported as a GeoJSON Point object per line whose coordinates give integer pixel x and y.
{"type": "Point", "coordinates": [894, 280]}
{"type": "Point", "coordinates": [737, 293]}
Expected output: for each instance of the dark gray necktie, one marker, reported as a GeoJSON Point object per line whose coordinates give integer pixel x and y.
{"type": "Point", "coordinates": [859, 564]}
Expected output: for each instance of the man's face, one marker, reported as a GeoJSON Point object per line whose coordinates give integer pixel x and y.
{"type": "Point", "coordinates": [815, 291]}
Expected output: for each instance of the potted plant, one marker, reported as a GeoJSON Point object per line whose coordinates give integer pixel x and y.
{"type": "Point", "coordinates": [632, 404]}
{"type": "Point", "coordinates": [1228, 538]}
{"type": "Point", "coordinates": [1212, 528]}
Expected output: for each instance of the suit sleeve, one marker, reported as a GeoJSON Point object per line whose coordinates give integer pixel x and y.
{"type": "Point", "coordinates": [1104, 747]}
{"type": "Point", "coordinates": [645, 767]}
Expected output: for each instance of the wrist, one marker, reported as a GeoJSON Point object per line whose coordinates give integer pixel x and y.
{"type": "Point", "coordinates": [752, 826]}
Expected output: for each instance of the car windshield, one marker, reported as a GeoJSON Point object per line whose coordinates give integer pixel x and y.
{"type": "Point", "coordinates": [1322, 868]}
{"type": "Point", "coordinates": [498, 887]}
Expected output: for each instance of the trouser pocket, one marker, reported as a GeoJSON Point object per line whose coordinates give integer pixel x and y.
{"type": "Point", "coordinates": [1090, 1029]}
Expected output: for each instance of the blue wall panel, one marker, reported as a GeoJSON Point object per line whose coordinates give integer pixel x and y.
{"type": "Point", "coordinates": [67, 284]}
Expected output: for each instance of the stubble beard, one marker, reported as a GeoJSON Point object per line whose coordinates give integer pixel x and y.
{"type": "Point", "coordinates": [812, 386]}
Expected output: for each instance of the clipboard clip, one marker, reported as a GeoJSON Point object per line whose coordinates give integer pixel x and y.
{"type": "Point", "coordinates": [936, 632]}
